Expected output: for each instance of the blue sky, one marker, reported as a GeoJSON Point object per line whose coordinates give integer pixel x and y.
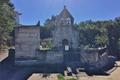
{"type": "Point", "coordinates": [34, 10]}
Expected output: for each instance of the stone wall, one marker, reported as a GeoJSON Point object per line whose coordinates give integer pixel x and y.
{"type": "Point", "coordinates": [86, 59]}
{"type": "Point", "coordinates": [94, 61]}
{"type": "Point", "coordinates": [27, 40]}
{"type": "Point", "coordinates": [89, 57]}
{"type": "Point", "coordinates": [50, 57]}
{"type": "Point", "coordinates": [103, 61]}
{"type": "Point", "coordinates": [74, 58]}
{"type": "Point", "coordinates": [68, 33]}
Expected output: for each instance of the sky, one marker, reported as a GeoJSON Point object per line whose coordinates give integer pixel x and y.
{"type": "Point", "coordinates": [82, 10]}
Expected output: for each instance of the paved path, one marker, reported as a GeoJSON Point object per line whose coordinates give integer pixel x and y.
{"type": "Point", "coordinates": [3, 55]}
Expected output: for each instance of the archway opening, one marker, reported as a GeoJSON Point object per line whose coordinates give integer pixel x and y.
{"type": "Point", "coordinates": [65, 44]}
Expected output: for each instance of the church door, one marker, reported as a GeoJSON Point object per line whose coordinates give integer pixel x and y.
{"type": "Point", "coordinates": [65, 44]}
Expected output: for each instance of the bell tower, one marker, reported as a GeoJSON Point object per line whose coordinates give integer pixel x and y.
{"type": "Point", "coordinates": [65, 18]}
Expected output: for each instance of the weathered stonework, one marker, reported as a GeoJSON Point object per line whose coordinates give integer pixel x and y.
{"type": "Point", "coordinates": [27, 44]}
{"type": "Point", "coordinates": [27, 40]}
{"type": "Point", "coordinates": [65, 31]}
{"type": "Point", "coordinates": [54, 57]}
{"type": "Point", "coordinates": [50, 57]}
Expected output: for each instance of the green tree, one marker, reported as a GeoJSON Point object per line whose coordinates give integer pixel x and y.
{"type": "Point", "coordinates": [7, 23]}
{"type": "Point", "coordinates": [3, 1]}
{"type": "Point", "coordinates": [93, 33]}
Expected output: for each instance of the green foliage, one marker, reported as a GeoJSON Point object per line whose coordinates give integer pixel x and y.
{"type": "Point", "coordinates": [101, 40]}
{"type": "Point", "coordinates": [93, 33]}
{"type": "Point", "coordinates": [47, 44]}
{"type": "Point", "coordinates": [99, 33]}
{"type": "Point", "coordinates": [60, 77]}
{"type": "Point", "coordinates": [46, 33]}
{"type": "Point", "coordinates": [3, 1]}
{"type": "Point", "coordinates": [6, 23]}
{"type": "Point", "coordinates": [49, 26]}
{"type": "Point", "coordinates": [50, 23]}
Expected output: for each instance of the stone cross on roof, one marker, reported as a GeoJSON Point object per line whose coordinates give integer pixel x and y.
{"type": "Point", "coordinates": [64, 6]}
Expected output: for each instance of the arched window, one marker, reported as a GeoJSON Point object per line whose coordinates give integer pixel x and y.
{"type": "Point", "coordinates": [68, 21]}
{"type": "Point", "coordinates": [65, 21]}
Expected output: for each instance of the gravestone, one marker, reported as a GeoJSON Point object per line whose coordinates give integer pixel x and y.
{"type": "Point", "coordinates": [27, 41]}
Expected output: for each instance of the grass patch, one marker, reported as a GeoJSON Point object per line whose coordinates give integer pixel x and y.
{"type": "Point", "coordinates": [60, 77]}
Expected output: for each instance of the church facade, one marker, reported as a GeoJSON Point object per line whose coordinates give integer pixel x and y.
{"type": "Point", "coordinates": [64, 33]}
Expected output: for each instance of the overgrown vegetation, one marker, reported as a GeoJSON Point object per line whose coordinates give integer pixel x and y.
{"type": "Point", "coordinates": [7, 22]}
{"type": "Point", "coordinates": [93, 34]}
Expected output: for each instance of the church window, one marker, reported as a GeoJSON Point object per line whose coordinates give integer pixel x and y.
{"type": "Point", "coordinates": [68, 21]}
{"type": "Point", "coordinates": [65, 21]}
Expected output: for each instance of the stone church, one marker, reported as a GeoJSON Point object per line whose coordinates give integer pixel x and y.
{"type": "Point", "coordinates": [65, 37]}
{"type": "Point", "coordinates": [64, 33]}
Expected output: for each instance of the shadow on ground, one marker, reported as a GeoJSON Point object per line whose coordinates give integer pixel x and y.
{"type": "Point", "coordinates": [9, 71]}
